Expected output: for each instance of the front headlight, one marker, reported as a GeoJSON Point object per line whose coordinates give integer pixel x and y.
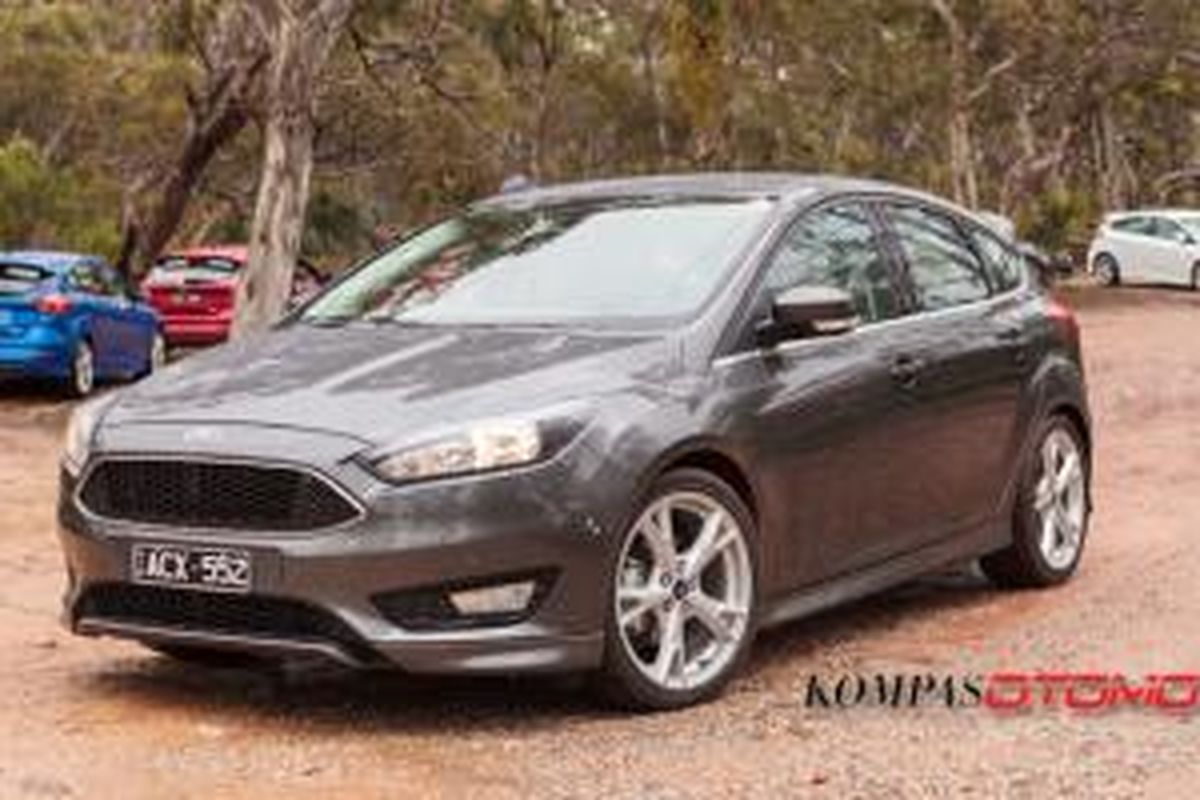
{"type": "Point", "coordinates": [492, 445]}
{"type": "Point", "coordinates": [81, 430]}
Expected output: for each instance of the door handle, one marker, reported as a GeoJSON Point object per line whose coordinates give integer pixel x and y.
{"type": "Point", "coordinates": [1009, 334]}
{"type": "Point", "coordinates": [906, 371]}
{"type": "Point", "coordinates": [1014, 337]}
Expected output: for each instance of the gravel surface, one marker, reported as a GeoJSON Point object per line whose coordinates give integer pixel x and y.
{"type": "Point", "coordinates": [99, 718]}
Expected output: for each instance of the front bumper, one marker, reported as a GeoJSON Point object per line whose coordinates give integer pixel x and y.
{"type": "Point", "coordinates": [547, 520]}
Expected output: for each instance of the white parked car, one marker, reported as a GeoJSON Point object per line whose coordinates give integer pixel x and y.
{"type": "Point", "coordinates": [1154, 246]}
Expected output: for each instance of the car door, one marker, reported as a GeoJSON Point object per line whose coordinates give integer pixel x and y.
{"type": "Point", "coordinates": [132, 329]}
{"type": "Point", "coordinates": [1172, 263]}
{"type": "Point", "coordinates": [89, 295]}
{"type": "Point", "coordinates": [965, 347]}
{"type": "Point", "coordinates": [1130, 242]}
{"type": "Point", "coordinates": [823, 411]}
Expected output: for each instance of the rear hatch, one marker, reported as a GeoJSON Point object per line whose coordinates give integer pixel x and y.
{"type": "Point", "coordinates": [20, 287]}
{"type": "Point", "coordinates": [179, 286]}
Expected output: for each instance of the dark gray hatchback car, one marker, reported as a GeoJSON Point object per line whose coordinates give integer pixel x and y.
{"type": "Point", "coordinates": [614, 427]}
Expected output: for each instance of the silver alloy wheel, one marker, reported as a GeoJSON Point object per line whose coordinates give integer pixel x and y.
{"type": "Point", "coordinates": [1060, 500]}
{"type": "Point", "coordinates": [1106, 270]}
{"type": "Point", "coordinates": [158, 353]}
{"type": "Point", "coordinates": [684, 590]}
{"type": "Point", "coordinates": [83, 370]}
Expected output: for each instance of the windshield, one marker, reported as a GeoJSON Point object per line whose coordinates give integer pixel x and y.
{"type": "Point", "coordinates": [21, 278]}
{"type": "Point", "coordinates": [627, 260]}
{"type": "Point", "coordinates": [1191, 224]}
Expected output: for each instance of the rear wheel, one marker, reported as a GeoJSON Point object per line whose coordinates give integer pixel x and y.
{"type": "Point", "coordinates": [1050, 521]}
{"type": "Point", "coordinates": [681, 611]}
{"type": "Point", "coordinates": [1196, 277]}
{"type": "Point", "coordinates": [156, 359]}
{"type": "Point", "coordinates": [82, 378]}
{"type": "Point", "coordinates": [1107, 270]}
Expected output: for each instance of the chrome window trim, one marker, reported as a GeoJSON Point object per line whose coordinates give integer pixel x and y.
{"type": "Point", "coordinates": [785, 348]}
{"type": "Point", "coordinates": [92, 464]}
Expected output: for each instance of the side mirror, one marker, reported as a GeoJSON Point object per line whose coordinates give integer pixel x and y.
{"type": "Point", "coordinates": [808, 311]}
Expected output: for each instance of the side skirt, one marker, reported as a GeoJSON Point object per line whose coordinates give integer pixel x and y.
{"type": "Point", "coordinates": [887, 574]}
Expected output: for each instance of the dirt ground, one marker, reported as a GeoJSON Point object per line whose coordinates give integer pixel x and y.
{"type": "Point", "coordinates": [100, 718]}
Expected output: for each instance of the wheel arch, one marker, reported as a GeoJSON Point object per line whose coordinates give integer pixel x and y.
{"type": "Point", "coordinates": [709, 457]}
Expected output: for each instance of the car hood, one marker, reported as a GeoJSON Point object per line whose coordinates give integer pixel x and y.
{"type": "Point", "coordinates": [377, 383]}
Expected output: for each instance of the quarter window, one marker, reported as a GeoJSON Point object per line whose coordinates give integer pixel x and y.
{"type": "Point", "coordinates": [943, 269]}
{"type": "Point", "coordinates": [837, 247]}
{"type": "Point", "coordinates": [1140, 225]}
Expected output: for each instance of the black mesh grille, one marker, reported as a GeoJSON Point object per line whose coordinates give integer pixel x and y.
{"type": "Point", "coordinates": [213, 495]}
{"type": "Point", "coordinates": [206, 612]}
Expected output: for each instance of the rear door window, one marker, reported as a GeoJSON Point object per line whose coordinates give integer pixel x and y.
{"type": "Point", "coordinates": [942, 267]}
{"type": "Point", "coordinates": [1007, 267]}
{"type": "Point", "coordinates": [21, 278]}
{"type": "Point", "coordinates": [837, 247]}
{"type": "Point", "coordinates": [86, 278]}
{"type": "Point", "coordinates": [1170, 230]}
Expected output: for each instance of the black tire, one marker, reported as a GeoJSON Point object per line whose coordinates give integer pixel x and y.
{"type": "Point", "coordinates": [81, 380]}
{"type": "Point", "coordinates": [210, 658]}
{"type": "Point", "coordinates": [1107, 269]}
{"type": "Point", "coordinates": [1024, 564]}
{"type": "Point", "coordinates": [157, 357]}
{"type": "Point", "coordinates": [1196, 277]}
{"type": "Point", "coordinates": [621, 682]}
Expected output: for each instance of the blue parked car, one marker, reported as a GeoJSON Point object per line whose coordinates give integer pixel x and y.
{"type": "Point", "coordinates": [72, 318]}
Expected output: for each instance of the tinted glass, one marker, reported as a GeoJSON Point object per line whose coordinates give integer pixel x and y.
{"type": "Point", "coordinates": [942, 268]}
{"type": "Point", "coordinates": [86, 278]}
{"type": "Point", "coordinates": [1133, 225]}
{"type": "Point", "coordinates": [837, 247]}
{"type": "Point", "coordinates": [1006, 266]}
{"type": "Point", "coordinates": [178, 267]}
{"type": "Point", "coordinates": [21, 278]}
{"type": "Point", "coordinates": [1169, 230]}
{"type": "Point", "coordinates": [626, 260]}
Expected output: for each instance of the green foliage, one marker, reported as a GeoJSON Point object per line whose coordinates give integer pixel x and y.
{"type": "Point", "coordinates": [41, 205]}
{"type": "Point", "coordinates": [432, 104]}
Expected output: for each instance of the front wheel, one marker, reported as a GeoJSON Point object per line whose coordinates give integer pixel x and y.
{"type": "Point", "coordinates": [682, 599]}
{"type": "Point", "coordinates": [1050, 521]}
{"type": "Point", "coordinates": [1196, 277]}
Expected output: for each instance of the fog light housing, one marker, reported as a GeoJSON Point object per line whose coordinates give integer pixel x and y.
{"type": "Point", "coordinates": [475, 603]}
{"type": "Point", "coordinates": [504, 598]}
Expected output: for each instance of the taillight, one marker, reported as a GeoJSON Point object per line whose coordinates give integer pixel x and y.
{"type": "Point", "coordinates": [53, 304]}
{"type": "Point", "coordinates": [1064, 319]}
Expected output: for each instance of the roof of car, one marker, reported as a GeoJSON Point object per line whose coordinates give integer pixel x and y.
{"type": "Point", "coordinates": [698, 185]}
{"type": "Point", "coordinates": [47, 259]}
{"type": "Point", "coordinates": [232, 252]}
{"type": "Point", "coordinates": [1156, 212]}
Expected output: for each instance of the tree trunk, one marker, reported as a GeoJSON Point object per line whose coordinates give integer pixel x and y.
{"type": "Point", "coordinates": [301, 35]}
{"type": "Point", "coordinates": [217, 112]}
{"type": "Point", "coordinates": [963, 179]}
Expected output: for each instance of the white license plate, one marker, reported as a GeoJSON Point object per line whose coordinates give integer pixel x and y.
{"type": "Point", "coordinates": [216, 569]}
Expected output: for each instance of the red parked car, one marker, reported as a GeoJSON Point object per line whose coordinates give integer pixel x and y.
{"type": "Point", "coordinates": [194, 291]}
